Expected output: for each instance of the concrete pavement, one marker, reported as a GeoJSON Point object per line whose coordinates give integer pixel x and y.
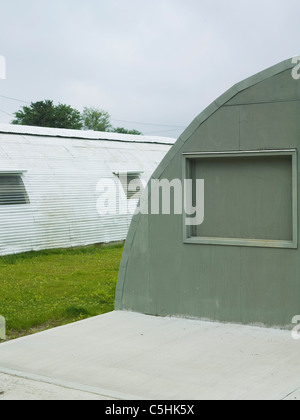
{"type": "Point", "coordinates": [14, 388]}
{"type": "Point", "coordinates": [124, 355]}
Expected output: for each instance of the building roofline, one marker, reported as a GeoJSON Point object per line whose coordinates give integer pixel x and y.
{"type": "Point", "coordinates": [82, 135]}
{"type": "Point", "coordinates": [218, 103]}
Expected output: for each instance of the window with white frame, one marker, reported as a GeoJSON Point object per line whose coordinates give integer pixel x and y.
{"type": "Point", "coordinates": [12, 189]}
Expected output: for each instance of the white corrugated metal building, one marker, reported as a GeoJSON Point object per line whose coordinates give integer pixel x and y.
{"type": "Point", "coordinates": [50, 184]}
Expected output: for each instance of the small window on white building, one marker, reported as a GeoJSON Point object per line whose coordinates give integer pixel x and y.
{"type": "Point", "coordinates": [12, 190]}
{"type": "Point", "coordinates": [131, 183]}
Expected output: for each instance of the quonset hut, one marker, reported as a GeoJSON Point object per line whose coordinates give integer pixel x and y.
{"type": "Point", "coordinates": [51, 181]}
{"type": "Point", "coordinates": [241, 264]}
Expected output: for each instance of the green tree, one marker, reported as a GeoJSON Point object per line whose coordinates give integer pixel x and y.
{"type": "Point", "coordinates": [96, 119]}
{"type": "Point", "coordinates": [122, 130]}
{"type": "Point", "coordinates": [46, 114]}
{"type": "Point", "coordinates": [99, 120]}
{"type": "Point", "coordinates": [67, 117]}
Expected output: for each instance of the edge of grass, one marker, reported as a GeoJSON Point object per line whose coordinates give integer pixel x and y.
{"type": "Point", "coordinates": [85, 296]}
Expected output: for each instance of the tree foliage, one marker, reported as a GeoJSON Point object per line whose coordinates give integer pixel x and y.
{"type": "Point", "coordinates": [96, 119]}
{"type": "Point", "coordinates": [122, 130]}
{"type": "Point", "coordinates": [46, 114]}
{"type": "Point", "coordinates": [67, 117]}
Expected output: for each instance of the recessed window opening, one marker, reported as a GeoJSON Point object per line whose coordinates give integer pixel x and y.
{"type": "Point", "coordinates": [251, 198]}
{"type": "Point", "coordinates": [12, 190]}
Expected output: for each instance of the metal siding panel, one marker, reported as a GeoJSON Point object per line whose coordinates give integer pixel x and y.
{"type": "Point", "coordinates": [61, 181]}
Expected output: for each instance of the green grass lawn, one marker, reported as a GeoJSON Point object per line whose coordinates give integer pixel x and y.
{"type": "Point", "coordinates": [41, 290]}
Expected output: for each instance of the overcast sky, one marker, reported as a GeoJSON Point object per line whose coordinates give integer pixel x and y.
{"type": "Point", "coordinates": [152, 62]}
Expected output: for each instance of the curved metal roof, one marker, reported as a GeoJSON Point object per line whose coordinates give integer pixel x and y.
{"type": "Point", "coordinates": [83, 135]}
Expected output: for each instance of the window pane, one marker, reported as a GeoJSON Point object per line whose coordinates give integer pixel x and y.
{"type": "Point", "coordinates": [12, 191]}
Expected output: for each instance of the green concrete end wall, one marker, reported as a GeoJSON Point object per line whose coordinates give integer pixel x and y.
{"type": "Point", "coordinates": [248, 280]}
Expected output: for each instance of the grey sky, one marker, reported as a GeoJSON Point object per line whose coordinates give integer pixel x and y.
{"type": "Point", "coordinates": [158, 61]}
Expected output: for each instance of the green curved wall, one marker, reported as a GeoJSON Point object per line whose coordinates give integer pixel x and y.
{"type": "Point", "coordinates": [162, 275]}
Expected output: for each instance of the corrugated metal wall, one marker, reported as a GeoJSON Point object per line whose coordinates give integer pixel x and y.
{"type": "Point", "coordinates": [61, 176]}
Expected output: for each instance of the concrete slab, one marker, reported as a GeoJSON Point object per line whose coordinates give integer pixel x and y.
{"type": "Point", "coordinates": [128, 356]}
{"type": "Point", "coordinates": [13, 388]}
